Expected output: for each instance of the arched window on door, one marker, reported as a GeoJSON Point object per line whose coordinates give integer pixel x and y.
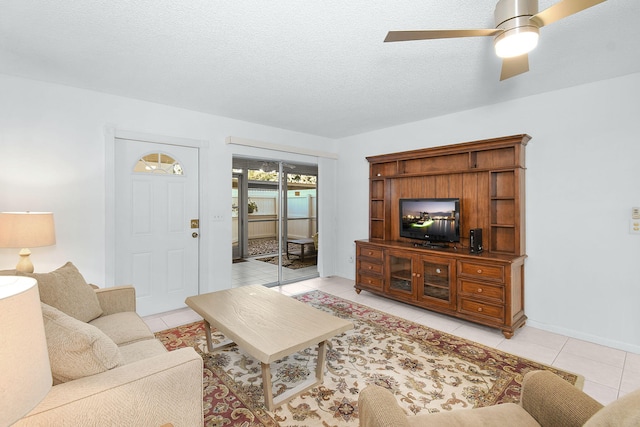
{"type": "Point", "coordinates": [158, 163]}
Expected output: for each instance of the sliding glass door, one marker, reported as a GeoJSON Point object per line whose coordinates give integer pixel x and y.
{"type": "Point", "coordinates": [275, 214]}
{"type": "Point", "coordinates": [300, 224]}
{"type": "Point", "coordinates": [238, 197]}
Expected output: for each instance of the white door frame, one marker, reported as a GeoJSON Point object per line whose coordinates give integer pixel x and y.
{"type": "Point", "coordinates": [242, 220]}
{"type": "Point", "coordinates": [111, 134]}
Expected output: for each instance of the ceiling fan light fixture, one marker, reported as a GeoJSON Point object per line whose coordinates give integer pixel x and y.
{"type": "Point", "coordinates": [516, 31]}
{"type": "Point", "coordinates": [516, 42]}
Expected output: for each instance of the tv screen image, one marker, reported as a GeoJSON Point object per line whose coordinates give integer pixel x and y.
{"type": "Point", "coordinates": [430, 219]}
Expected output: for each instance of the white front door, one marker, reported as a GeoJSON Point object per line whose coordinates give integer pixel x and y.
{"type": "Point", "coordinates": [156, 237]}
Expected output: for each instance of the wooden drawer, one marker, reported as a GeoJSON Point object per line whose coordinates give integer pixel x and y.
{"type": "Point", "coordinates": [369, 252]}
{"type": "Point", "coordinates": [493, 272]}
{"type": "Point", "coordinates": [481, 309]}
{"type": "Point", "coordinates": [482, 290]}
{"type": "Point", "coordinates": [370, 267]}
{"type": "Point", "coordinates": [370, 281]}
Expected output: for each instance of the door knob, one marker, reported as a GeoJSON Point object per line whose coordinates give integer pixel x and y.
{"type": "Point", "coordinates": [194, 234]}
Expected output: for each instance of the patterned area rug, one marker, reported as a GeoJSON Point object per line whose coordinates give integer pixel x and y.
{"type": "Point", "coordinates": [293, 263]}
{"type": "Point", "coordinates": [427, 370]}
{"type": "Point", "coordinates": [263, 246]}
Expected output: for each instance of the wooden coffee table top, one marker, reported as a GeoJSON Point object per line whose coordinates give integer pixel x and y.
{"type": "Point", "coordinates": [265, 323]}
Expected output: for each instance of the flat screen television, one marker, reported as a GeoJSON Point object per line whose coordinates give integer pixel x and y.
{"type": "Point", "coordinates": [430, 219]}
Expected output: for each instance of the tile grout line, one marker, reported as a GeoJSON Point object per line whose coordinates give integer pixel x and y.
{"type": "Point", "coordinates": [624, 368]}
{"type": "Point", "coordinates": [560, 352]}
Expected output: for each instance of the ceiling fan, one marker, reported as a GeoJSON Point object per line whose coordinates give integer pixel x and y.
{"type": "Point", "coordinates": [516, 32]}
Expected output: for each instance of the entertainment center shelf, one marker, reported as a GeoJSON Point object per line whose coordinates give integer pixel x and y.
{"type": "Point", "coordinates": [488, 178]}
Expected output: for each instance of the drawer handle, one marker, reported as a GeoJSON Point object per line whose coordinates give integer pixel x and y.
{"type": "Point", "coordinates": [370, 267]}
{"type": "Point", "coordinates": [479, 271]}
{"type": "Point", "coordinates": [438, 271]}
{"type": "Point", "coordinates": [418, 275]}
{"type": "Point", "coordinates": [369, 281]}
{"type": "Point", "coordinates": [479, 309]}
{"type": "Point", "coordinates": [370, 252]}
{"type": "Point", "coordinates": [479, 290]}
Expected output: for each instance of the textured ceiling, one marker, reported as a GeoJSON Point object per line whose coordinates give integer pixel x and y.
{"type": "Point", "coordinates": [318, 67]}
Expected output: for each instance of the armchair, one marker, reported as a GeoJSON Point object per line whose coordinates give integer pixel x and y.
{"type": "Point", "coordinates": [547, 400]}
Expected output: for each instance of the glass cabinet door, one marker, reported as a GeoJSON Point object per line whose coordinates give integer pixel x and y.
{"type": "Point", "coordinates": [435, 283]}
{"type": "Point", "coordinates": [400, 275]}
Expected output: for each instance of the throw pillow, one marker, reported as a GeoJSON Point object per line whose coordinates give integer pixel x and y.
{"type": "Point", "coordinates": [76, 349]}
{"type": "Point", "coordinates": [66, 290]}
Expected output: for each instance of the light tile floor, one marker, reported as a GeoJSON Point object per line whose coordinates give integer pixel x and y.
{"type": "Point", "coordinates": [609, 373]}
{"type": "Point", "coordinates": [253, 272]}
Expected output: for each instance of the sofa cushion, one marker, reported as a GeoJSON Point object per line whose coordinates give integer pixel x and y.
{"type": "Point", "coordinates": [124, 327]}
{"type": "Point", "coordinates": [624, 412]}
{"type": "Point", "coordinates": [141, 350]}
{"type": "Point", "coordinates": [66, 290]}
{"type": "Point", "coordinates": [76, 349]}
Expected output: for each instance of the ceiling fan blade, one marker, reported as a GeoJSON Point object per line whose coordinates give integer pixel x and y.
{"type": "Point", "coordinates": [401, 36]}
{"type": "Point", "coordinates": [514, 66]}
{"type": "Point", "coordinates": [562, 9]}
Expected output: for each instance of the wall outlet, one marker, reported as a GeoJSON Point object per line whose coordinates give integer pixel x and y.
{"type": "Point", "coordinates": [634, 226]}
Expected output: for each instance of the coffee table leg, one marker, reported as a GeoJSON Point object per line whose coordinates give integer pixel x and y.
{"type": "Point", "coordinates": [267, 387]}
{"type": "Point", "coordinates": [322, 352]}
{"type": "Point", "coordinates": [207, 330]}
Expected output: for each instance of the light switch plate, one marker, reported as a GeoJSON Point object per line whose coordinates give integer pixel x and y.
{"type": "Point", "coordinates": [635, 213]}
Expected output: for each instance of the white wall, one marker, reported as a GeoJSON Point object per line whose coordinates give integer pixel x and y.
{"type": "Point", "coordinates": [581, 278]}
{"type": "Point", "coordinates": [583, 270]}
{"type": "Point", "coordinates": [52, 147]}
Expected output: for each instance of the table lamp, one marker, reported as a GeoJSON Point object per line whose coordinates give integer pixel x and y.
{"type": "Point", "coordinates": [26, 230]}
{"type": "Point", "coordinates": [25, 372]}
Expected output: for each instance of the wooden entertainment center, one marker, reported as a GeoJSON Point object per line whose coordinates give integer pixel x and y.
{"type": "Point", "coordinates": [488, 178]}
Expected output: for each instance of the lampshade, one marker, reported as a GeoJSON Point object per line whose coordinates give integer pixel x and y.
{"type": "Point", "coordinates": [26, 230]}
{"type": "Point", "coordinates": [25, 372]}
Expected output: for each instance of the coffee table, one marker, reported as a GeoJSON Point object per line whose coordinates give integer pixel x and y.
{"type": "Point", "coordinates": [268, 326]}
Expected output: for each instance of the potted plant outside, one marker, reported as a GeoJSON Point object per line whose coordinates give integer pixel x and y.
{"type": "Point", "coordinates": [253, 206]}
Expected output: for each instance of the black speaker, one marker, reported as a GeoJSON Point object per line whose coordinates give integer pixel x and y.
{"type": "Point", "coordinates": [475, 240]}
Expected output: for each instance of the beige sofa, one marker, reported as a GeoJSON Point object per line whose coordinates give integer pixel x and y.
{"type": "Point", "coordinates": [547, 400]}
{"type": "Point", "coordinates": [107, 367]}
